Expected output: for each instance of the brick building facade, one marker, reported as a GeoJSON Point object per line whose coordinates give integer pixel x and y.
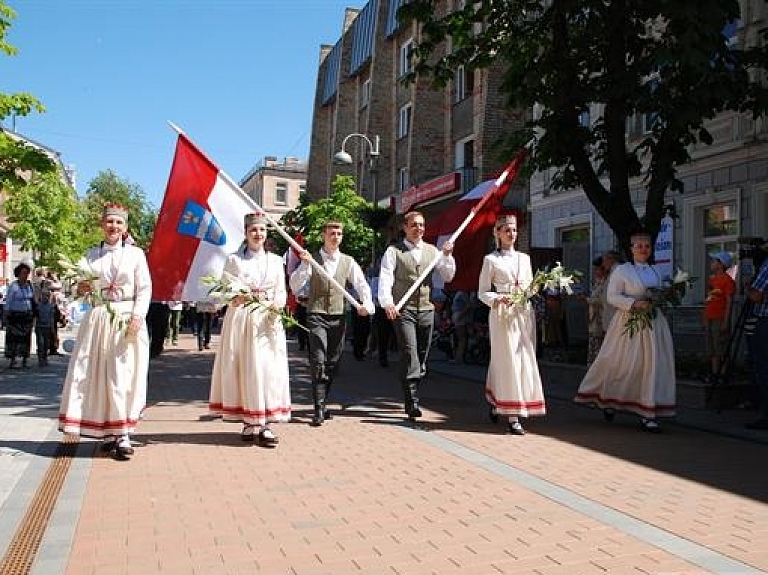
{"type": "Point", "coordinates": [425, 133]}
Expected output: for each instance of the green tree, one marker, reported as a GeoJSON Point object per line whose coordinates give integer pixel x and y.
{"type": "Point", "coordinates": [666, 60]}
{"type": "Point", "coordinates": [17, 158]}
{"type": "Point", "coordinates": [45, 213]}
{"type": "Point", "coordinates": [343, 205]}
{"type": "Point", "coordinates": [108, 187]}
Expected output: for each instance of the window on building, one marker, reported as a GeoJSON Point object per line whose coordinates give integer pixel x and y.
{"type": "Point", "coordinates": [721, 232]}
{"type": "Point", "coordinates": [404, 121]}
{"type": "Point", "coordinates": [403, 181]}
{"type": "Point", "coordinates": [281, 193]}
{"type": "Point", "coordinates": [365, 94]}
{"type": "Point", "coordinates": [463, 84]}
{"type": "Point", "coordinates": [302, 189]}
{"type": "Point", "coordinates": [406, 61]}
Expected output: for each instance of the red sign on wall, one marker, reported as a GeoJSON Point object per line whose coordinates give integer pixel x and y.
{"type": "Point", "coordinates": [431, 189]}
{"type": "Point", "coordinates": [3, 253]}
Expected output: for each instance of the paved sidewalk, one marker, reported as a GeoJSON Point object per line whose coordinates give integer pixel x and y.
{"type": "Point", "coordinates": [368, 493]}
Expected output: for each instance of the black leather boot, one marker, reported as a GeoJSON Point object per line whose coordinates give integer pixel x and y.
{"type": "Point", "coordinates": [411, 395]}
{"type": "Point", "coordinates": [318, 396]}
{"type": "Point", "coordinates": [326, 413]}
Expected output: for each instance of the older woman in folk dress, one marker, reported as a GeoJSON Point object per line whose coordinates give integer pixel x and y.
{"type": "Point", "coordinates": [106, 385]}
{"type": "Point", "coordinates": [513, 385]}
{"type": "Point", "coordinates": [250, 372]}
{"type": "Point", "coordinates": [633, 372]}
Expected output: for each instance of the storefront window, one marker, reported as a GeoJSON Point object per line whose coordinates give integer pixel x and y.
{"type": "Point", "coordinates": [721, 220]}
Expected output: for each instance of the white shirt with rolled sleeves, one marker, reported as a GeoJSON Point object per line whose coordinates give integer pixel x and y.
{"type": "Point", "coordinates": [301, 275]}
{"type": "Point", "coordinates": [446, 267]}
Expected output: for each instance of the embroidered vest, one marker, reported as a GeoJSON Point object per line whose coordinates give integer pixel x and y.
{"type": "Point", "coordinates": [323, 297]}
{"type": "Point", "coordinates": [407, 271]}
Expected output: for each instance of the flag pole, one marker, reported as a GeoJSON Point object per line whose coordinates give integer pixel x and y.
{"type": "Point", "coordinates": [513, 166]}
{"type": "Point", "coordinates": [316, 266]}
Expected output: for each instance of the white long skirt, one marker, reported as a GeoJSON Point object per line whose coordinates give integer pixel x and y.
{"type": "Point", "coordinates": [635, 374]}
{"type": "Point", "coordinates": [250, 373]}
{"type": "Point", "coordinates": [106, 386]}
{"type": "Point", "coordinates": [513, 385]}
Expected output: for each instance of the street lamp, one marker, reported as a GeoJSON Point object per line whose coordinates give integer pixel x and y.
{"type": "Point", "coordinates": [343, 158]}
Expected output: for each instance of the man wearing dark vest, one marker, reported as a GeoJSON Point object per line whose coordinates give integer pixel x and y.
{"type": "Point", "coordinates": [326, 318]}
{"type": "Point", "coordinates": [402, 264]}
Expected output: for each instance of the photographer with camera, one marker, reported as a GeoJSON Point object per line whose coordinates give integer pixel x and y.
{"type": "Point", "coordinates": [760, 339]}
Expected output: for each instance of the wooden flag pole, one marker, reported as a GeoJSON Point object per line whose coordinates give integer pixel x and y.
{"type": "Point", "coordinates": [315, 266]}
{"type": "Point", "coordinates": [512, 168]}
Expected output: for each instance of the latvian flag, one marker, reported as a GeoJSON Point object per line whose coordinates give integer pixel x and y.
{"type": "Point", "coordinates": [200, 222]}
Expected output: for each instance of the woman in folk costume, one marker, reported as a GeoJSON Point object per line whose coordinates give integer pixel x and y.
{"type": "Point", "coordinates": [106, 385]}
{"type": "Point", "coordinates": [633, 372]}
{"type": "Point", "coordinates": [513, 385]}
{"type": "Point", "coordinates": [250, 372]}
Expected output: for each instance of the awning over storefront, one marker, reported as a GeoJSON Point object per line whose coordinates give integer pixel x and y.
{"type": "Point", "coordinates": [477, 238]}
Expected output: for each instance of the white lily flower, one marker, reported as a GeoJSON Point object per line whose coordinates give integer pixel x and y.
{"type": "Point", "coordinates": [681, 277]}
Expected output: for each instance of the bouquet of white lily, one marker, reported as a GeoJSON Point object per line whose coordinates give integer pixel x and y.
{"type": "Point", "coordinates": [669, 295]}
{"type": "Point", "coordinates": [555, 279]}
{"type": "Point", "coordinates": [230, 290]}
{"type": "Point", "coordinates": [87, 287]}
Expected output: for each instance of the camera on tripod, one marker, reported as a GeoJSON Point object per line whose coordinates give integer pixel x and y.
{"type": "Point", "coordinates": [752, 253]}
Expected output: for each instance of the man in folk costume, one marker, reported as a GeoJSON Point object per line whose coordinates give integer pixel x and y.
{"type": "Point", "coordinates": [250, 372]}
{"type": "Point", "coordinates": [106, 385]}
{"type": "Point", "coordinates": [326, 319]}
{"type": "Point", "coordinates": [401, 267]}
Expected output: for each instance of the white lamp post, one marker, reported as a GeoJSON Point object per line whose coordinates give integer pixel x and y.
{"type": "Point", "coordinates": [342, 157]}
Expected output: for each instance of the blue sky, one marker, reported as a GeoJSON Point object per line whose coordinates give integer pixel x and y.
{"type": "Point", "coordinates": [238, 76]}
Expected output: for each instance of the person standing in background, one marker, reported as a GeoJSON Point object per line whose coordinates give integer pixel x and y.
{"type": "Point", "coordinates": [759, 343]}
{"type": "Point", "coordinates": [47, 316]}
{"type": "Point", "coordinates": [595, 310]}
{"type": "Point", "coordinates": [174, 321]}
{"type": "Point", "coordinates": [19, 316]}
{"type": "Point", "coordinates": [204, 312]}
{"type": "Point", "coordinates": [717, 311]}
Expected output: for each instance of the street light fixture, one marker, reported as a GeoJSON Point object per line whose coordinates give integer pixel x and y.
{"type": "Point", "coordinates": [343, 158]}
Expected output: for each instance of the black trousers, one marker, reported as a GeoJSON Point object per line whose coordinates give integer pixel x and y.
{"type": "Point", "coordinates": [301, 335]}
{"type": "Point", "coordinates": [385, 333]}
{"type": "Point", "coordinates": [203, 321]}
{"type": "Point", "coordinates": [326, 343]}
{"type": "Point", "coordinates": [361, 329]}
{"type": "Point", "coordinates": [157, 325]}
{"type": "Point", "coordinates": [414, 335]}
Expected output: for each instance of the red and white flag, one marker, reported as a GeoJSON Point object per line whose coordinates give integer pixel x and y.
{"type": "Point", "coordinates": [200, 223]}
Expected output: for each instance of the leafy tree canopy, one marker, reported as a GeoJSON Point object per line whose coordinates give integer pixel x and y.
{"type": "Point", "coordinates": [17, 158]}
{"type": "Point", "coordinates": [46, 217]}
{"type": "Point", "coordinates": [107, 187]}
{"type": "Point", "coordinates": [667, 59]}
{"type": "Point", "coordinates": [343, 205]}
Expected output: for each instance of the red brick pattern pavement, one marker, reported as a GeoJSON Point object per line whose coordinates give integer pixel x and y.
{"type": "Point", "coordinates": [361, 495]}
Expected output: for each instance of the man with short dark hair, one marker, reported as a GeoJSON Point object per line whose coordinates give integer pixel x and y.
{"type": "Point", "coordinates": [326, 317]}
{"type": "Point", "coordinates": [401, 266]}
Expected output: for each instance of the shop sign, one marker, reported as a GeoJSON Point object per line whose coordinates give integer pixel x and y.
{"type": "Point", "coordinates": [427, 191]}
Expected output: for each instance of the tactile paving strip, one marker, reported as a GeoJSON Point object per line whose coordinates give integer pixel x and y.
{"type": "Point", "coordinates": [25, 543]}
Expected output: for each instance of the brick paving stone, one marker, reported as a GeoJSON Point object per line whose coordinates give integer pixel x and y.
{"type": "Point", "coordinates": [365, 494]}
